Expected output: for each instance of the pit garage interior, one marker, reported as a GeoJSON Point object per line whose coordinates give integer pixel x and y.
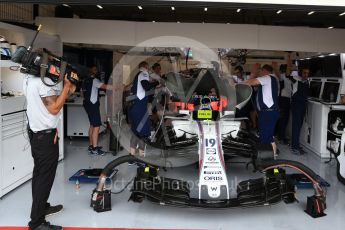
{"type": "Point", "coordinates": [203, 166]}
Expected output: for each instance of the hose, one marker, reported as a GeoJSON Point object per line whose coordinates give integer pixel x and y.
{"type": "Point", "coordinates": [111, 165]}
{"type": "Point", "coordinates": [310, 174]}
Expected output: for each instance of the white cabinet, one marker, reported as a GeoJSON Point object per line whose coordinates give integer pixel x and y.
{"type": "Point", "coordinates": [77, 121]}
{"type": "Point", "coordinates": [16, 160]}
{"type": "Point", "coordinates": [314, 130]}
{"type": "Point", "coordinates": [15, 156]}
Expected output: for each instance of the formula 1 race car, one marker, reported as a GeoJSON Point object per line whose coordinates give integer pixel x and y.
{"type": "Point", "coordinates": [173, 136]}
{"type": "Point", "coordinates": [210, 133]}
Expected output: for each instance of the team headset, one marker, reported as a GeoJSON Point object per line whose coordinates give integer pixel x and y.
{"type": "Point", "coordinates": [45, 64]}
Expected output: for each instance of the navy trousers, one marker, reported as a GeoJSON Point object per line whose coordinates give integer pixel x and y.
{"type": "Point", "coordinates": [267, 122]}
{"type": "Point", "coordinates": [298, 112]}
{"type": "Point", "coordinates": [284, 109]}
{"type": "Point", "coordinates": [139, 118]}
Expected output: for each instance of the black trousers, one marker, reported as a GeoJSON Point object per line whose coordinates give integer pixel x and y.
{"type": "Point", "coordinates": [298, 113]}
{"type": "Point", "coordinates": [284, 108]}
{"type": "Point", "coordinates": [46, 155]}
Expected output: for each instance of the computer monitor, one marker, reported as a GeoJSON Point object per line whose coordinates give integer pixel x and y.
{"type": "Point", "coordinates": [315, 89]}
{"type": "Point", "coordinates": [330, 91]}
{"type": "Point", "coordinates": [316, 67]}
{"type": "Point", "coordinates": [332, 66]}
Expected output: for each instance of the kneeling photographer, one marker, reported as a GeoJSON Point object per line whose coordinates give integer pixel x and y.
{"type": "Point", "coordinates": [45, 97]}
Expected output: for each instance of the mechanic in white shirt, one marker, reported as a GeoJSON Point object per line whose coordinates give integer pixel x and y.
{"type": "Point", "coordinates": [239, 75]}
{"type": "Point", "coordinates": [91, 87]}
{"type": "Point", "coordinates": [44, 104]}
{"type": "Point", "coordinates": [137, 112]}
{"type": "Point", "coordinates": [266, 103]}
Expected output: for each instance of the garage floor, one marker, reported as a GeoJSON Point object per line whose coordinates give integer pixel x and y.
{"type": "Point", "coordinates": [15, 207]}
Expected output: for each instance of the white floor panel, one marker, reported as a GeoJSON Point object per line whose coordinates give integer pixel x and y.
{"type": "Point", "coordinates": [15, 207]}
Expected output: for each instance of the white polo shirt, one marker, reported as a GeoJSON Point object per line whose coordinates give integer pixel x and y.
{"type": "Point", "coordinates": [96, 84]}
{"type": "Point", "coordinates": [238, 80]}
{"type": "Point", "coordinates": [286, 91]}
{"type": "Point", "coordinates": [38, 115]}
{"type": "Point", "coordinates": [143, 75]}
{"type": "Point", "coordinates": [266, 82]}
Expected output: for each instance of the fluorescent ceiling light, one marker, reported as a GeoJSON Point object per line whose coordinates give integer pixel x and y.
{"type": "Point", "coordinates": [332, 54]}
{"type": "Point", "coordinates": [311, 12]}
{"type": "Point", "coordinates": [205, 8]}
{"type": "Point", "coordinates": [66, 5]}
{"type": "Point", "coordinates": [279, 11]}
{"type": "Point", "coordinates": [238, 10]}
{"type": "Point", "coordinates": [331, 27]}
{"type": "Point", "coordinates": [308, 58]}
{"type": "Point", "coordinates": [140, 7]}
{"type": "Point", "coordinates": [321, 56]}
{"type": "Point", "coordinates": [172, 8]}
{"type": "Point", "coordinates": [301, 59]}
{"type": "Point", "coordinates": [342, 14]}
{"type": "Point", "coordinates": [99, 6]}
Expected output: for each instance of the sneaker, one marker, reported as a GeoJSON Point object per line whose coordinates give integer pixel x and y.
{"type": "Point", "coordinates": [296, 152]}
{"type": "Point", "coordinates": [97, 151]}
{"type": "Point", "coordinates": [51, 210]}
{"type": "Point", "coordinates": [46, 226]}
{"type": "Point", "coordinates": [89, 149]}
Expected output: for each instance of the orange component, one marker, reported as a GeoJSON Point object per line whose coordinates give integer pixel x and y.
{"type": "Point", "coordinates": [223, 102]}
{"type": "Point", "coordinates": [190, 106]}
{"type": "Point", "coordinates": [215, 105]}
{"type": "Point", "coordinates": [181, 105]}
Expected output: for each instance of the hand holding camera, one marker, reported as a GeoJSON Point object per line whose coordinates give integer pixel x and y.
{"type": "Point", "coordinates": [69, 84]}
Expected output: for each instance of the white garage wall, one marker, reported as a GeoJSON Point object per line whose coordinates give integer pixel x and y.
{"type": "Point", "coordinates": [212, 35]}
{"type": "Point", "coordinates": [23, 37]}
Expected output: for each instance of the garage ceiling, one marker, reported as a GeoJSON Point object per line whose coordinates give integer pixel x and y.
{"type": "Point", "coordinates": [194, 12]}
{"type": "Point", "coordinates": [247, 15]}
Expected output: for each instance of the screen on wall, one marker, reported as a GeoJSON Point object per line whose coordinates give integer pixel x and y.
{"type": "Point", "coordinates": [315, 89]}
{"type": "Point", "coordinates": [328, 66]}
{"type": "Point", "coordinates": [317, 67]}
{"type": "Point", "coordinates": [332, 66]}
{"type": "Point", "coordinates": [330, 91]}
